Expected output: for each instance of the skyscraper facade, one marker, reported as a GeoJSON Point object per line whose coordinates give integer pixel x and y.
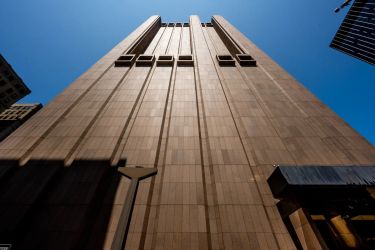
{"type": "Point", "coordinates": [15, 116]}
{"type": "Point", "coordinates": [356, 36]}
{"type": "Point", "coordinates": [199, 102]}
{"type": "Point", "coordinates": [12, 88]}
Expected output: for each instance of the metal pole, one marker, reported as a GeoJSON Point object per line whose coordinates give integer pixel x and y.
{"type": "Point", "coordinates": [135, 175]}
{"type": "Point", "coordinates": [125, 217]}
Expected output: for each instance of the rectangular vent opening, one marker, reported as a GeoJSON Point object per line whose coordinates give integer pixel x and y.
{"type": "Point", "coordinates": [185, 60]}
{"type": "Point", "coordinates": [170, 24]}
{"type": "Point", "coordinates": [165, 60]}
{"type": "Point", "coordinates": [125, 60]}
{"type": "Point", "coordinates": [225, 60]}
{"type": "Point", "coordinates": [246, 60]}
{"type": "Point", "coordinates": [145, 60]}
{"type": "Point", "coordinates": [209, 25]}
{"type": "Point", "coordinates": [178, 24]}
{"type": "Point", "coordinates": [186, 24]}
{"type": "Point", "coordinates": [163, 25]}
{"type": "Point", "coordinates": [203, 25]}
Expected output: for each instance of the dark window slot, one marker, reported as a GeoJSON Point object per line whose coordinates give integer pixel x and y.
{"type": "Point", "coordinates": [225, 60]}
{"type": "Point", "coordinates": [246, 60]}
{"type": "Point", "coordinates": [125, 61]}
{"type": "Point", "coordinates": [165, 60]}
{"type": "Point", "coordinates": [185, 60]}
{"type": "Point", "coordinates": [145, 60]}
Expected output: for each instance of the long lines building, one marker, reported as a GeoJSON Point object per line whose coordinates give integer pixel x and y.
{"type": "Point", "coordinates": [214, 114]}
{"type": "Point", "coordinates": [356, 35]}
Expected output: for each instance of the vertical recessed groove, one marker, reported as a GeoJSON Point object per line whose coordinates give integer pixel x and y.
{"type": "Point", "coordinates": [156, 165]}
{"type": "Point", "coordinates": [170, 40]}
{"type": "Point", "coordinates": [244, 50]}
{"type": "Point", "coordinates": [265, 108]}
{"type": "Point", "coordinates": [232, 110]}
{"type": "Point", "coordinates": [180, 42]}
{"type": "Point", "coordinates": [160, 38]}
{"type": "Point", "coordinates": [262, 105]}
{"type": "Point", "coordinates": [120, 138]}
{"type": "Point", "coordinates": [236, 46]}
{"type": "Point", "coordinates": [126, 132]}
{"type": "Point", "coordinates": [25, 157]}
{"type": "Point", "coordinates": [87, 129]}
{"type": "Point", "coordinates": [161, 173]}
{"type": "Point", "coordinates": [27, 154]}
{"type": "Point", "coordinates": [283, 91]}
{"type": "Point", "coordinates": [162, 163]}
{"type": "Point", "coordinates": [74, 150]}
{"type": "Point", "coordinates": [190, 37]}
{"type": "Point", "coordinates": [200, 105]}
{"type": "Point", "coordinates": [260, 100]}
{"type": "Point", "coordinates": [117, 152]}
{"type": "Point", "coordinates": [124, 139]}
{"type": "Point", "coordinates": [239, 121]}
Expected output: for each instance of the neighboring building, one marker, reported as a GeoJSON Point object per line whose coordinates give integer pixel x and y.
{"type": "Point", "coordinates": [12, 87]}
{"type": "Point", "coordinates": [200, 102]}
{"type": "Point", "coordinates": [356, 35]}
{"type": "Point", "coordinates": [15, 116]}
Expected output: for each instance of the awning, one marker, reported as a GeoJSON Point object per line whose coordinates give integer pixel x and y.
{"type": "Point", "coordinates": [286, 178]}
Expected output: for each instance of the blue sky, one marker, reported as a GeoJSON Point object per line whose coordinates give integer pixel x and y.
{"type": "Point", "coordinates": [50, 43]}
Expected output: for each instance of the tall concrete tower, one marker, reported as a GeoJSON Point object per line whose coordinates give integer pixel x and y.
{"type": "Point", "coordinates": [209, 110]}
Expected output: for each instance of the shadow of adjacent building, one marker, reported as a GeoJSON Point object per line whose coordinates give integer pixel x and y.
{"type": "Point", "coordinates": [45, 205]}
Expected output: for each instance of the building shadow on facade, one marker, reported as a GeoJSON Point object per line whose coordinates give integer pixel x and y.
{"type": "Point", "coordinates": [44, 205]}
